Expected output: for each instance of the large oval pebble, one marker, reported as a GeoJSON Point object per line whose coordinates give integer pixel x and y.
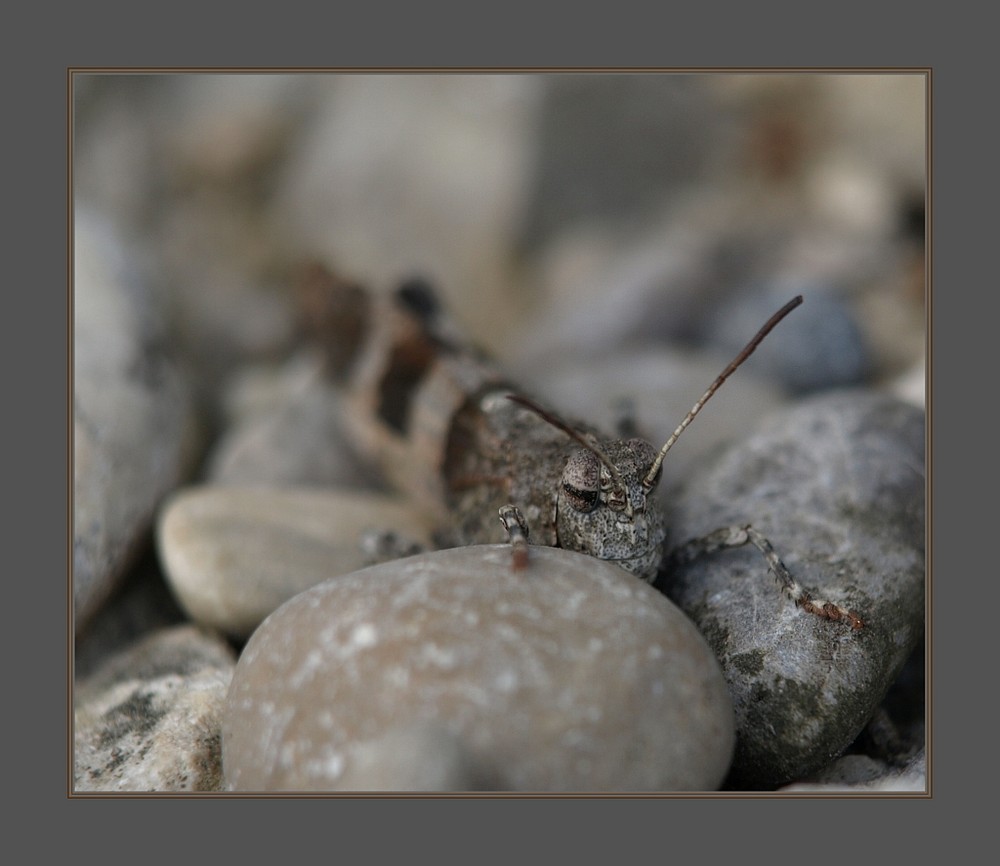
{"type": "Point", "coordinates": [449, 670]}
{"type": "Point", "coordinates": [232, 555]}
{"type": "Point", "coordinates": [837, 485]}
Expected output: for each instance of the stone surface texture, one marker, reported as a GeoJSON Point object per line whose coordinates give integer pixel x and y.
{"type": "Point", "coordinates": [149, 718]}
{"type": "Point", "coordinates": [568, 676]}
{"type": "Point", "coordinates": [837, 484]}
{"type": "Point", "coordinates": [233, 554]}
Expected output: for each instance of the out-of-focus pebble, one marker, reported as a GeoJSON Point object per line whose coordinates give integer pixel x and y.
{"type": "Point", "coordinates": [148, 719]}
{"type": "Point", "coordinates": [133, 424]}
{"type": "Point", "coordinates": [234, 554]}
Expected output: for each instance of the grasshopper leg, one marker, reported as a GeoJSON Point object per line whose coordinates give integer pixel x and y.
{"type": "Point", "coordinates": [517, 531]}
{"type": "Point", "coordinates": [737, 536]}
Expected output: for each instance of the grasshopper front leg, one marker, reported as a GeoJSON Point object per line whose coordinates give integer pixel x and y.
{"type": "Point", "coordinates": [517, 531]}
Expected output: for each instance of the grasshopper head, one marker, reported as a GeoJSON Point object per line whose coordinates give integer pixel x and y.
{"type": "Point", "coordinates": [604, 509]}
{"type": "Point", "coordinates": [604, 505]}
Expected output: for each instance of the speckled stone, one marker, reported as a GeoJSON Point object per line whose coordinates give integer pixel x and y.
{"type": "Point", "coordinates": [148, 719]}
{"type": "Point", "coordinates": [837, 484]}
{"type": "Point", "coordinates": [569, 676]}
{"type": "Point", "coordinates": [232, 555]}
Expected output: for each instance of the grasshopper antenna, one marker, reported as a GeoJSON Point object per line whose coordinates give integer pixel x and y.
{"type": "Point", "coordinates": [649, 482]}
{"type": "Point", "coordinates": [559, 424]}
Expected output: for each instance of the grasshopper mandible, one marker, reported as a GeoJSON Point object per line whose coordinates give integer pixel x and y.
{"type": "Point", "coordinates": [448, 429]}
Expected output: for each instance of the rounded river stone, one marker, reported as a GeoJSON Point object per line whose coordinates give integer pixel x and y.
{"type": "Point", "coordinates": [570, 675]}
{"type": "Point", "coordinates": [837, 484]}
{"type": "Point", "coordinates": [232, 555]}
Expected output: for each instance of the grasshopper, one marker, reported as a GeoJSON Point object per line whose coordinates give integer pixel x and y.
{"type": "Point", "coordinates": [449, 430]}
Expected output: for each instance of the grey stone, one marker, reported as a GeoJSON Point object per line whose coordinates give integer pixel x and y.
{"type": "Point", "coordinates": [850, 770]}
{"type": "Point", "coordinates": [837, 485]}
{"type": "Point", "coordinates": [257, 389]}
{"type": "Point", "coordinates": [148, 719]}
{"type": "Point", "coordinates": [861, 775]}
{"type": "Point", "coordinates": [666, 133]}
{"type": "Point", "coordinates": [141, 605]}
{"type": "Point", "coordinates": [819, 346]}
{"type": "Point", "coordinates": [133, 426]}
{"type": "Point", "coordinates": [295, 437]}
{"type": "Point", "coordinates": [569, 676]}
{"type": "Point", "coordinates": [234, 554]}
{"type": "Point", "coordinates": [118, 159]}
{"type": "Point", "coordinates": [599, 293]}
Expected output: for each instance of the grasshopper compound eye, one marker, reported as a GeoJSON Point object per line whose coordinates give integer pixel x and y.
{"type": "Point", "coordinates": [581, 480]}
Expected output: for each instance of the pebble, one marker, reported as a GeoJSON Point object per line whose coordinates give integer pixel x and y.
{"type": "Point", "coordinates": [133, 426]}
{"type": "Point", "coordinates": [148, 719]}
{"type": "Point", "coordinates": [296, 438]}
{"type": "Point", "coordinates": [118, 163]}
{"type": "Point", "coordinates": [232, 555]}
{"type": "Point", "coordinates": [569, 676]}
{"type": "Point", "coordinates": [142, 604]}
{"type": "Point", "coordinates": [859, 774]}
{"type": "Point", "coordinates": [599, 293]}
{"type": "Point", "coordinates": [667, 135]}
{"type": "Point", "coordinates": [837, 484]}
{"type": "Point", "coordinates": [911, 386]}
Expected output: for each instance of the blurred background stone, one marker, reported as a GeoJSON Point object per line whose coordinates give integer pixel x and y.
{"type": "Point", "coordinates": [134, 430]}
